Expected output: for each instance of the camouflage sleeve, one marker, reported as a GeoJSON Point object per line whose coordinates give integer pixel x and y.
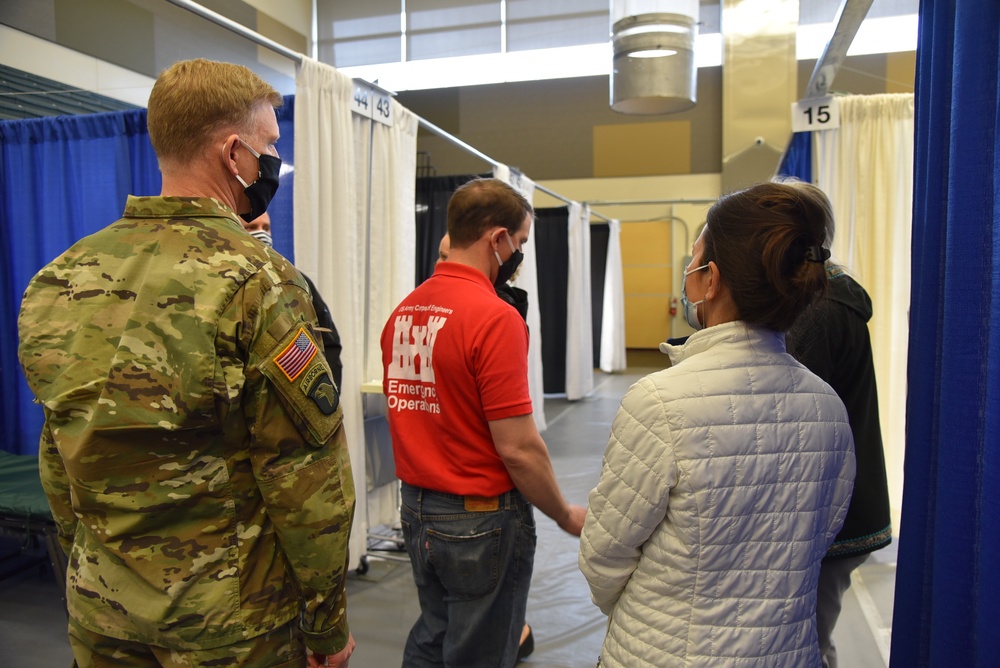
{"type": "Point", "coordinates": [300, 458]}
{"type": "Point", "coordinates": [56, 485]}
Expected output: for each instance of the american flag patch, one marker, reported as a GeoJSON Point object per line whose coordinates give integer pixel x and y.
{"type": "Point", "coordinates": [294, 358]}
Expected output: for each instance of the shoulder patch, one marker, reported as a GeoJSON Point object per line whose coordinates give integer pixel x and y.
{"type": "Point", "coordinates": [317, 385]}
{"type": "Point", "coordinates": [296, 355]}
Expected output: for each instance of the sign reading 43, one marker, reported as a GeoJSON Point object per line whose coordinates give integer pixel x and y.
{"type": "Point", "coordinates": [371, 102]}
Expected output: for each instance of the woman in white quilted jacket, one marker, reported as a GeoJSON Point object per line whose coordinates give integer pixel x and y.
{"type": "Point", "coordinates": [728, 474]}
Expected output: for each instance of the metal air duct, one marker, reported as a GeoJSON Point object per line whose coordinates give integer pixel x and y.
{"type": "Point", "coordinates": [654, 68]}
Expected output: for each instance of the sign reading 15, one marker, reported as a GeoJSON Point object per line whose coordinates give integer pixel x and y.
{"type": "Point", "coordinates": [822, 113]}
{"type": "Point", "coordinates": [815, 114]}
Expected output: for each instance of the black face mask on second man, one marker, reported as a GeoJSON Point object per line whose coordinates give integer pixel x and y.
{"type": "Point", "coordinates": [261, 191]}
{"type": "Point", "coordinates": [507, 268]}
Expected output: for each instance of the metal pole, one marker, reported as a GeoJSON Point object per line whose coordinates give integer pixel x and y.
{"type": "Point", "coordinates": [849, 18]}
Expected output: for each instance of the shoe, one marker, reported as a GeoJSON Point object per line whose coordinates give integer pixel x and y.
{"type": "Point", "coordinates": [526, 647]}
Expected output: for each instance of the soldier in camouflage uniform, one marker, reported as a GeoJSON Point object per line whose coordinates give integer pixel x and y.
{"type": "Point", "coordinates": [193, 450]}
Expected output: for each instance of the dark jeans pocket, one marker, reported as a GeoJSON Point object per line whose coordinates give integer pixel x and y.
{"type": "Point", "coordinates": [468, 566]}
{"type": "Point", "coordinates": [405, 526]}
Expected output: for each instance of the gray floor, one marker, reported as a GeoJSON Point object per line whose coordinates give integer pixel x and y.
{"type": "Point", "coordinates": [568, 628]}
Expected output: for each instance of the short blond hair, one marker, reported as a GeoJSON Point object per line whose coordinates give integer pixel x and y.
{"type": "Point", "coordinates": [192, 100]}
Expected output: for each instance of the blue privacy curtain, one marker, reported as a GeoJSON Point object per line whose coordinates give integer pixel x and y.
{"type": "Point", "coordinates": [798, 158]}
{"type": "Point", "coordinates": [62, 178]}
{"type": "Point", "coordinates": [947, 601]}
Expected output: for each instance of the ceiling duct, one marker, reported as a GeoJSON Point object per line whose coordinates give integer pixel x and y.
{"type": "Point", "coordinates": [654, 69]}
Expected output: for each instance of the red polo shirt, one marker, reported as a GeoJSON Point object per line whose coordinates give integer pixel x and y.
{"type": "Point", "coordinates": [455, 356]}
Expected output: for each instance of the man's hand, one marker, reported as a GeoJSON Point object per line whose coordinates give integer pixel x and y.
{"type": "Point", "coordinates": [338, 660]}
{"type": "Point", "coordinates": [573, 523]}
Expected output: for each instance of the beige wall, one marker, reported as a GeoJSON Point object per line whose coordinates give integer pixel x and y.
{"type": "Point", "coordinates": [293, 14]}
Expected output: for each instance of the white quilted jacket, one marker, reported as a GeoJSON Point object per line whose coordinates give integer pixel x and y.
{"type": "Point", "coordinates": [726, 478]}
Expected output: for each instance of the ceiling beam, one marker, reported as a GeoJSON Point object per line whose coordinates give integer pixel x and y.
{"type": "Point", "coordinates": [848, 20]}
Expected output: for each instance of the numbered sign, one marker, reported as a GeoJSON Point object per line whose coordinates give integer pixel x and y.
{"type": "Point", "coordinates": [382, 110]}
{"type": "Point", "coordinates": [371, 102]}
{"type": "Point", "coordinates": [360, 103]}
{"type": "Point", "coordinates": [821, 113]}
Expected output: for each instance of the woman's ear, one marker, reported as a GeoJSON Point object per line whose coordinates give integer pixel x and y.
{"type": "Point", "coordinates": [714, 287]}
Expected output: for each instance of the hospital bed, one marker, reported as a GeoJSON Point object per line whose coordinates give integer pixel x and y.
{"type": "Point", "coordinates": [24, 512]}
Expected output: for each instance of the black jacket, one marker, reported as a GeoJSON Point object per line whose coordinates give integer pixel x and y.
{"type": "Point", "coordinates": [832, 340]}
{"type": "Point", "coordinates": [331, 338]}
{"type": "Point", "coordinates": [516, 297]}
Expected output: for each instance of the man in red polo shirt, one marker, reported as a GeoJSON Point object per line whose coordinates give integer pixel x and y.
{"type": "Point", "coordinates": [470, 458]}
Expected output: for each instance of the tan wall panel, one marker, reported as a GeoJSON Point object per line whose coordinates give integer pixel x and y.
{"type": "Point", "coordinates": [642, 149]}
{"type": "Point", "coordinates": [645, 243]}
{"type": "Point", "coordinates": [295, 14]}
{"type": "Point", "coordinates": [647, 280]}
{"type": "Point", "coordinates": [647, 321]}
{"type": "Point", "coordinates": [647, 276]}
{"type": "Point", "coordinates": [900, 72]}
{"type": "Point", "coordinates": [282, 33]}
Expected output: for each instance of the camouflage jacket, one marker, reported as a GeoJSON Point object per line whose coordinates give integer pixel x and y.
{"type": "Point", "coordinates": [193, 450]}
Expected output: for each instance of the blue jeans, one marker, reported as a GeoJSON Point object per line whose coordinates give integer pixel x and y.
{"type": "Point", "coordinates": [472, 571]}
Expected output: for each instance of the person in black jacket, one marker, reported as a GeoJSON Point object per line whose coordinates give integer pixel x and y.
{"type": "Point", "coordinates": [832, 340]}
{"type": "Point", "coordinates": [260, 229]}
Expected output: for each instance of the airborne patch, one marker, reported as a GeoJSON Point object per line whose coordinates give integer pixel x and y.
{"type": "Point", "coordinates": [316, 385]}
{"type": "Point", "coordinates": [296, 356]}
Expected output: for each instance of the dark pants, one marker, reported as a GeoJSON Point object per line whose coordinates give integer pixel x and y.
{"type": "Point", "coordinates": [834, 581]}
{"type": "Point", "coordinates": [472, 569]}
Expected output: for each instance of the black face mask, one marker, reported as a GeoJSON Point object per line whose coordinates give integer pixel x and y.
{"type": "Point", "coordinates": [507, 268]}
{"type": "Point", "coordinates": [261, 191]}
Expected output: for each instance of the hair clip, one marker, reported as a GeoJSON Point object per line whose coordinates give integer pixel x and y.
{"type": "Point", "coordinates": [817, 254]}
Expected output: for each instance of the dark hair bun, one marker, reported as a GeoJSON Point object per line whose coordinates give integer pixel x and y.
{"type": "Point", "coordinates": [763, 240]}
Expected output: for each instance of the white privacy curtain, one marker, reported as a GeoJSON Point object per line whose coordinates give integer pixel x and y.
{"type": "Point", "coordinates": [330, 236]}
{"type": "Point", "coordinates": [613, 316]}
{"type": "Point", "coordinates": [393, 226]}
{"type": "Point", "coordinates": [392, 256]}
{"type": "Point", "coordinates": [527, 280]}
{"type": "Point", "coordinates": [866, 169]}
{"type": "Point", "coordinates": [579, 320]}
{"type": "Point", "coordinates": [337, 155]}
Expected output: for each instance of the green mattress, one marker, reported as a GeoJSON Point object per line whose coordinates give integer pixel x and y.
{"type": "Point", "coordinates": [20, 487]}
